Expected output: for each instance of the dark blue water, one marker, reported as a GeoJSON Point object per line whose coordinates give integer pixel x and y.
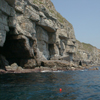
{"type": "Point", "coordinates": [76, 85]}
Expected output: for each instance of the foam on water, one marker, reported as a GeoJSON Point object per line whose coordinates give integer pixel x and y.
{"type": "Point", "coordinates": [51, 71]}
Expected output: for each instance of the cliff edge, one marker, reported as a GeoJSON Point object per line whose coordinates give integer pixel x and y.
{"type": "Point", "coordinates": [33, 33]}
{"type": "Point", "coordinates": [87, 54]}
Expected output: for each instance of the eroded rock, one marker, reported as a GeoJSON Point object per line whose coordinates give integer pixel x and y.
{"type": "Point", "coordinates": [30, 33]}
{"type": "Point", "coordinates": [13, 66]}
{"type": "Point", "coordinates": [28, 63]}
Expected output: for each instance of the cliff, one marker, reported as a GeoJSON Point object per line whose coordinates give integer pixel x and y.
{"type": "Point", "coordinates": [87, 53]}
{"type": "Point", "coordinates": [33, 33]}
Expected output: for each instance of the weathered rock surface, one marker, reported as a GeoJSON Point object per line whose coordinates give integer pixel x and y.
{"type": "Point", "coordinates": [87, 54]}
{"type": "Point", "coordinates": [13, 66]}
{"type": "Point", "coordinates": [33, 33]}
{"type": "Point", "coordinates": [57, 63]}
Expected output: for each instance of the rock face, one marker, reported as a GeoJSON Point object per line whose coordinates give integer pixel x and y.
{"type": "Point", "coordinates": [32, 30]}
{"type": "Point", "coordinates": [87, 54]}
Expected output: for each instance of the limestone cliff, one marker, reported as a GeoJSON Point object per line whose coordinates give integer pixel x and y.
{"type": "Point", "coordinates": [87, 53]}
{"type": "Point", "coordinates": [32, 31]}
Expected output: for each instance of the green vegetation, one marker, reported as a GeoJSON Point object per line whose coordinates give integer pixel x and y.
{"type": "Point", "coordinates": [37, 2]}
{"type": "Point", "coordinates": [60, 18]}
{"type": "Point", "coordinates": [51, 11]}
{"type": "Point", "coordinates": [57, 15]}
{"type": "Point", "coordinates": [85, 46]}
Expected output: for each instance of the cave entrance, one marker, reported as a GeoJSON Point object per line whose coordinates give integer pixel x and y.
{"type": "Point", "coordinates": [10, 50]}
{"type": "Point", "coordinates": [80, 63]}
{"type": "Point", "coordinates": [14, 49]}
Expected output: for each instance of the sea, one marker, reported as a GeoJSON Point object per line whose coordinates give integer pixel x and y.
{"type": "Point", "coordinates": [74, 85]}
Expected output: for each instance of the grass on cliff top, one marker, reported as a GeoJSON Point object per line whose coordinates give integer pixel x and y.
{"type": "Point", "coordinates": [60, 18]}
{"type": "Point", "coordinates": [37, 2]}
{"type": "Point", "coordinates": [85, 46]}
{"type": "Point", "coordinates": [88, 47]}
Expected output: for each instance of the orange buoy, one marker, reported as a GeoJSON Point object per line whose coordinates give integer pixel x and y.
{"type": "Point", "coordinates": [60, 89]}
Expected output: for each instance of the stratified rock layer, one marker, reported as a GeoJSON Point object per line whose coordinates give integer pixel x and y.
{"type": "Point", "coordinates": [87, 54]}
{"type": "Point", "coordinates": [32, 31]}
{"type": "Point", "coordinates": [29, 33]}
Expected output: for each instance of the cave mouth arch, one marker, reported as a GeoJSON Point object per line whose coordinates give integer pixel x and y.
{"type": "Point", "coordinates": [80, 63]}
{"type": "Point", "coordinates": [10, 50]}
{"type": "Point", "coordinates": [15, 49]}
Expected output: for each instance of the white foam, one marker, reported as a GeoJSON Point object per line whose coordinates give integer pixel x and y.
{"type": "Point", "coordinates": [50, 71]}
{"type": "Point", "coordinates": [46, 71]}
{"type": "Point", "coordinates": [58, 71]}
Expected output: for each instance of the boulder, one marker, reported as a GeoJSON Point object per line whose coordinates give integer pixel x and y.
{"type": "Point", "coordinates": [28, 63]}
{"type": "Point", "coordinates": [13, 67]}
{"type": "Point", "coordinates": [57, 63]}
{"type": "Point", "coordinates": [20, 68]}
{"type": "Point", "coordinates": [8, 68]}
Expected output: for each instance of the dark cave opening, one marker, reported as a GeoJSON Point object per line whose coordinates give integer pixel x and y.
{"type": "Point", "coordinates": [42, 63]}
{"type": "Point", "coordinates": [80, 63]}
{"type": "Point", "coordinates": [14, 50]}
{"type": "Point", "coordinates": [10, 51]}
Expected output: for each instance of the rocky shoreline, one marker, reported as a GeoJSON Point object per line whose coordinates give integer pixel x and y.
{"type": "Point", "coordinates": [34, 37]}
{"type": "Point", "coordinates": [14, 68]}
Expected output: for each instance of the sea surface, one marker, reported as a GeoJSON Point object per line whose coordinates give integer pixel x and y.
{"type": "Point", "coordinates": [75, 85]}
